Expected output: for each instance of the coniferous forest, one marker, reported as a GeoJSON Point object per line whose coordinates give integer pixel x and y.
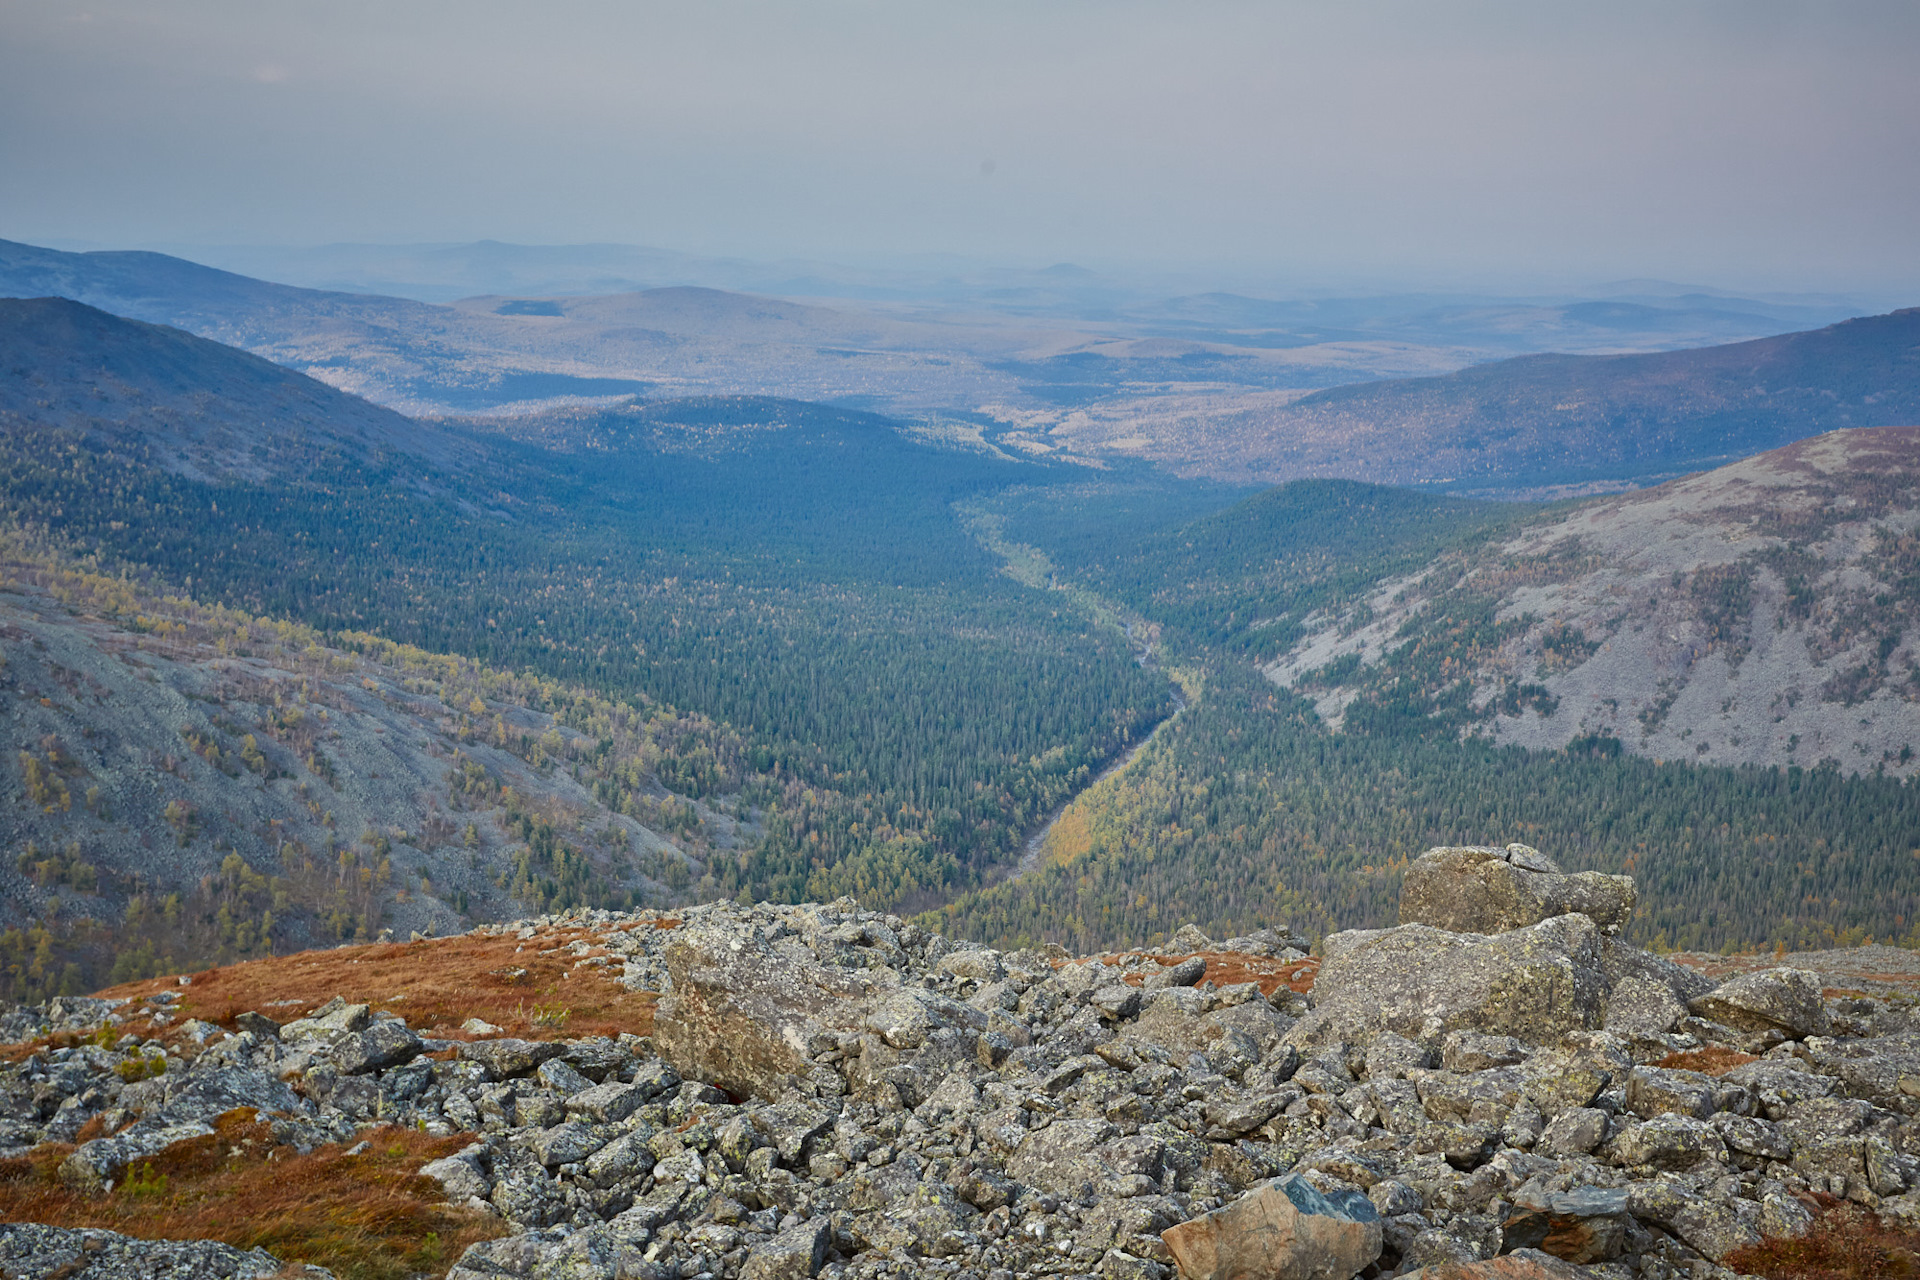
{"type": "Point", "coordinates": [922, 650]}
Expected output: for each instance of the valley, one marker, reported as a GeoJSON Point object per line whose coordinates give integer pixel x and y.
{"type": "Point", "coordinates": [941, 664]}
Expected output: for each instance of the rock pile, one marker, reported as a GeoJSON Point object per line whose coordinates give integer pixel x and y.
{"type": "Point", "coordinates": [830, 1091]}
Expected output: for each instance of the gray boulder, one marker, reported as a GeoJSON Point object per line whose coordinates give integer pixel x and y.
{"type": "Point", "coordinates": [385, 1043]}
{"type": "Point", "coordinates": [1285, 1228]}
{"type": "Point", "coordinates": [1419, 982]}
{"type": "Point", "coordinates": [507, 1059]}
{"type": "Point", "coordinates": [1773, 999]}
{"type": "Point", "coordinates": [794, 1254]}
{"type": "Point", "coordinates": [94, 1164]}
{"type": "Point", "coordinates": [744, 1015]}
{"type": "Point", "coordinates": [1475, 889]}
{"type": "Point", "coordinates": [1638, 1006]}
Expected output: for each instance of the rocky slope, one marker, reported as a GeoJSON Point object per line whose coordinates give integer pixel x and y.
{"type": "Point", "coordinates": [1761, 613]}
{"type": "Point", "coordinates": [828, 1091]}
{"type": "Point", "coordinates": [159, 747]}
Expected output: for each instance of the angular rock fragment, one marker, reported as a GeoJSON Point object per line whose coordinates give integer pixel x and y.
{"type": "Point", "coordinates": [1285, 1228]}
{"type": "Point", "coordinates": [382, 1044]}
{"type": "Point", "coordinates": [1774, 999]}
{"type": "Point", "coordinates": [1473, 889]}
{"type": "Point", "coordinates": [1522, 1264]}
{"type": "Point", "coordinates": [508, 1059]}
{"type": "Point", "coordinates": [795, 1254]}
{"type": "Point", "coordinates": [1419, 982]}
{"type": "Point", "coordinates": [1584, 1225]}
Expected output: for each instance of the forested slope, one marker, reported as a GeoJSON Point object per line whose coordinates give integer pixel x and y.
{"type": "Point", "coordinates": [792, 571]}
{"type": "Point", "coordinates": [1249, 810]}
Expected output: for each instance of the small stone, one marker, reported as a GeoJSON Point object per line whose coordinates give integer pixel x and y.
{"type": "Point", "coordinates": [258, 1023]}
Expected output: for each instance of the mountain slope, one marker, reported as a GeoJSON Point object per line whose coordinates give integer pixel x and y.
{"type": "Point", "coordinates": [197, 408]}
{"type": "Point", "coordinates": [190, 784]}
{"type": "Point", "coordinates": [1762, 613]}
{"type": "Point", "coordinates": [1548, 420]}
{"type": "Point", "coordinates": [791, 570]}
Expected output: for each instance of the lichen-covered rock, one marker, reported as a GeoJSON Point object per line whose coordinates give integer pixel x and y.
{"type": "Point", "coordinates": [1774, 999]}
{"type": "Point", "coordinates": [1652, 1091]}
{"type": "Point", "coordinates": [1420, 982]}
{"type": "Point", "coordinates": [794, 1254]}
{"type": "Point", "coordinates": [1285, 1228]}
{"type": "Point", "coordinates": [1476, 889]}
{"type": "Point", "coordinates": [33, 1249]}
{"type": "Point", "coordinates": [1714, 1225]}
{"type": "Point", "coordinates": [1667, 1142]}
{"type": "Point", "coordinates": [384, 1043]}
{"type": "Point", "coordinates": [95, 1164]}
{"type": "Point", "coordinates": [746, 1015]}
{"type": "Point", "coordinates": [507, 1059]}
{"type": "Point", "coordinates": [1638, 1006]}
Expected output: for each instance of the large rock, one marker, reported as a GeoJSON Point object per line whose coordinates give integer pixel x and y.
{"type": "Point", "coordinates": [383, 1044]}
{"type": "Point", "coordinates": [746, 1015]}
{"type": "Point", "coordinates": [1534, 984]}
{"type": "Point", "coordinates": [1773, 999]}
{"type": "Point", "coordinates": [1584, 1225]}
{"type": "Point", "coordinates": [1286, 1228]}
{"type": "Point", "coordinates": [1476, 889]}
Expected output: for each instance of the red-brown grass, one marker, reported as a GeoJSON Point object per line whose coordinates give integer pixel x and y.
{"type": "Point", "coordinates": [527, 988]}
{"type": "Point", "coordinates": [366, 1217]}
{"type": "Point", "coordinates": [1229, 968]}
{"type": "Point", "coordinates": [1846, 1243]}
{"type": "Point", "coordinates": [1714, 1060]}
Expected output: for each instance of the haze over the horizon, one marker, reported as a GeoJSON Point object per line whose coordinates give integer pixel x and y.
{"type": "Point", "coordinates": [1748, 145]}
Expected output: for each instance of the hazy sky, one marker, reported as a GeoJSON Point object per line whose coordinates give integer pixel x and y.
{"type": "Point", "coordinates": [1746, 144]}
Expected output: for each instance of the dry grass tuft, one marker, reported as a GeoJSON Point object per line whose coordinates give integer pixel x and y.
{"type": "Point", "coordinates": [366, 1217]}
{"type": "Point", "coordinates": [1846, 1243]}
{"type": "Point", "coordinates": [1714, 1060]}
{"type": "Point", "coordinates": [1229, 968]}
{"type": "Point", "coordinates": [528, 988]}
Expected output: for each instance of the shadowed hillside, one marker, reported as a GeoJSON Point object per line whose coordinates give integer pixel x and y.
{"type": "Point", "coordinates": [190, 406]}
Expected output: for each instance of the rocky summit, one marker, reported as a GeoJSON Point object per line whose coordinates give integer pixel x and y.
{"type": "Point", "coordinates": [827, 1091]}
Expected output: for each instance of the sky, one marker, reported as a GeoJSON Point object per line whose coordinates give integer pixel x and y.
{"type": "Point", "coordinates": [1746, 144]}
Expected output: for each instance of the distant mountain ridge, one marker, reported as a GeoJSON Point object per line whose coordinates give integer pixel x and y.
{"type": "Point", "coordinates": [1567, 420]}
